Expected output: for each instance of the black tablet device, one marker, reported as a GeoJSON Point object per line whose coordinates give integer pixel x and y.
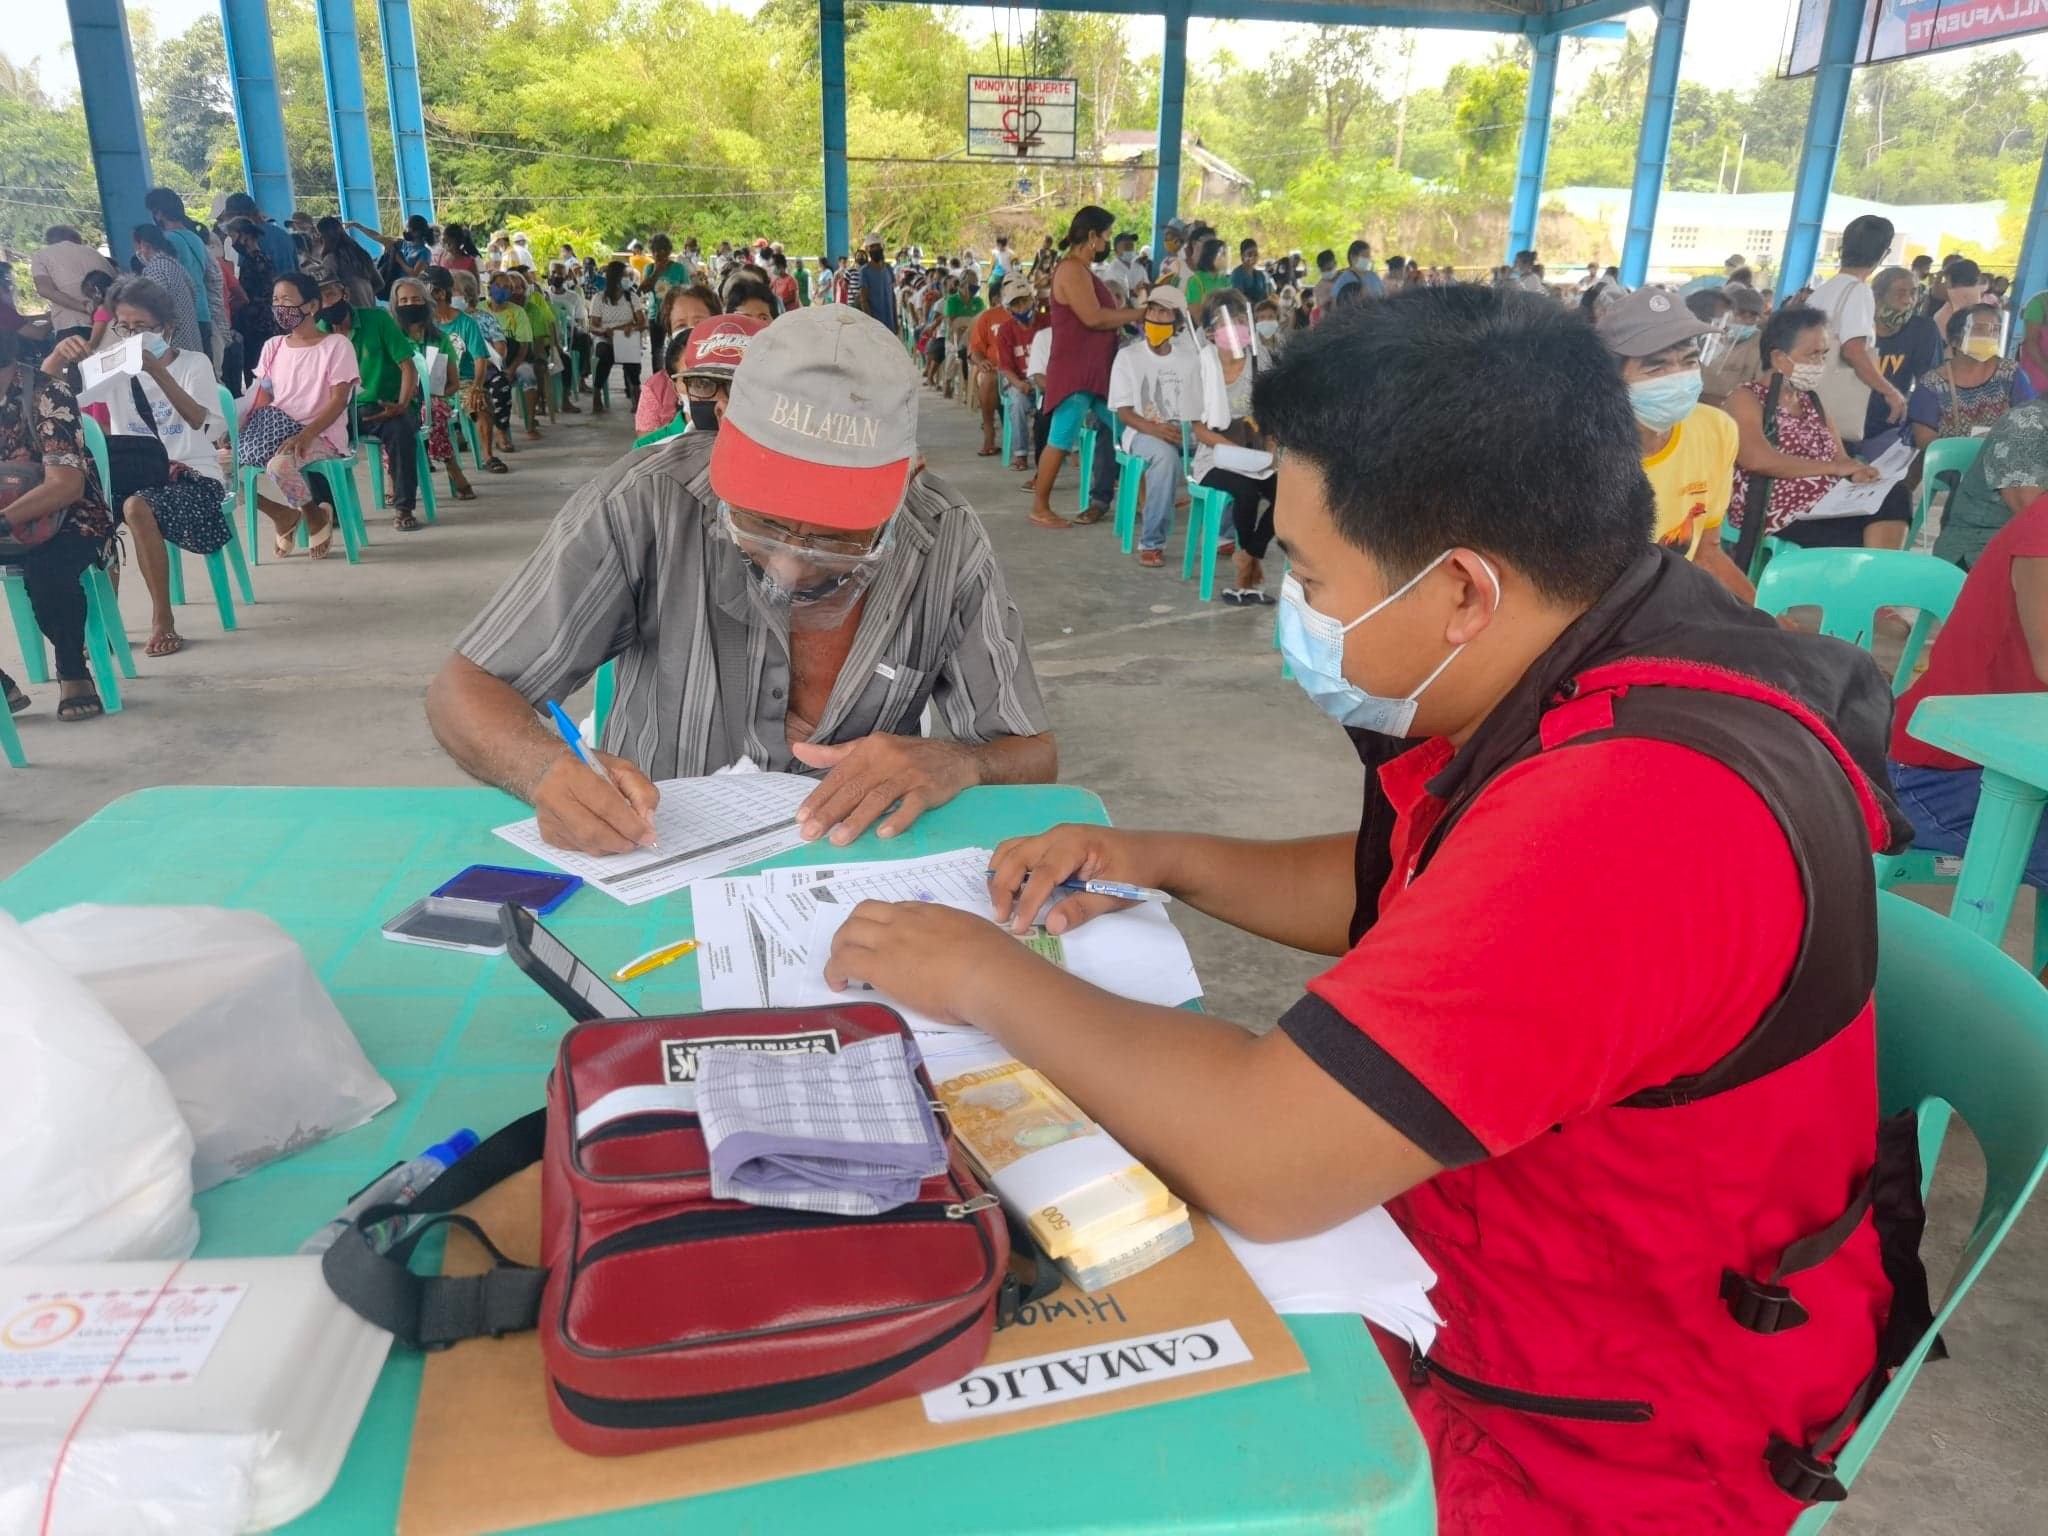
{"type": "Point", "coordinates": [557, 971]}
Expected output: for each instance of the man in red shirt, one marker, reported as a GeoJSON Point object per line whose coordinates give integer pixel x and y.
{"type": "Point", "coordinates": [1021, 320]}
{"type": "Point", "coordinates": [1641, 1166]}
{"type": "Point", "coordinates": [1996, 641]}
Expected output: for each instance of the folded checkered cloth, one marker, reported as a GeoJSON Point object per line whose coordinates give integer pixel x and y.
{"type": "Point", "coordinates": [851, 1133]}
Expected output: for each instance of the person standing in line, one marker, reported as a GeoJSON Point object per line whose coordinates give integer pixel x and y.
{"type": "Point", "coordinates": [58, 271]}
{"type": "Point", "coordinates": [614, 320]}
{"type": "Point", "coordinates": [1084, 332]}
{"type": "Point", "coordinates": [1907, 344]}
{"type": "Point", "coordinates": [201, 263]}
{"type": "Point", "coordinates": [1852, 375]}
{"type": "Point", "coordinates": [155, 255]}
{"type": "Point", "coordinates": [876, 294]}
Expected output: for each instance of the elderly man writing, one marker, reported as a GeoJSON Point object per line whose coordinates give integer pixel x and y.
{"type": "Point", "coordinates": [792, 589]}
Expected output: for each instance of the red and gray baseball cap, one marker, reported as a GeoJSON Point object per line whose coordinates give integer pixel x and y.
{"type": "Point", "coordinates": [821, 425]}
{"type": "Point", "coordinates": [715, 347]}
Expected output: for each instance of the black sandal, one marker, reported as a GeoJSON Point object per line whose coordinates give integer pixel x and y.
{"type": "Point", "coordinates": [81, 706]}
{"type": "Point", "coordinates": [496, 466]}
{"type": "Point", "coordinates": [405, 522]}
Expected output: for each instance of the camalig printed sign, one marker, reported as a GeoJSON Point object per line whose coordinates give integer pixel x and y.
{"type": "Point", "coordinates": [1014, 117]}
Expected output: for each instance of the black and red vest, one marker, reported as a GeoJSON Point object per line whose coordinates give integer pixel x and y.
{"type": "Point", "coordinates": [1700, 1406]}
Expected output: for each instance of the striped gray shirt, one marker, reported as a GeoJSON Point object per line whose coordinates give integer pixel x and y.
{"type": "Point", "coordinates": [636, 568]}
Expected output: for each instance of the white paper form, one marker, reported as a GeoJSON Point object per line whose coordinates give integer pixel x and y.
{"type": "Point", "coordinates": [702, 827]}
{"type": "Point", "coordinates": [1364, 1266]}
{"type": "Point", "coordinates": [1845, 498]}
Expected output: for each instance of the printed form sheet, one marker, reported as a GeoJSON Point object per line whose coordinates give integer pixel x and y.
{"type": "Point", "coordinates": [702, 827]}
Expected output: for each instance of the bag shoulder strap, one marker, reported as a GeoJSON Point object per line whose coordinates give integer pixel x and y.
{"type": "Point", "coordinates": [143, 407]}
{"type": "Point", "coordinates": [434, 1311]}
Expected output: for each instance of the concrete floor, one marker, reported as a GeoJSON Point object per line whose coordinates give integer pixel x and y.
{"type": "Point", "coordinates": [1174, 712]}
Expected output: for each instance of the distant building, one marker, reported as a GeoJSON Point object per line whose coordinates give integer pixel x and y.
{"type": "Point", "coordinates": [1221, 182]}
{"type": "Point", "coordinates": [1697, 231]}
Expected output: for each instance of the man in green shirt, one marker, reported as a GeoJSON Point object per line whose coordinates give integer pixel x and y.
{"type": "Point", "coordinates": [510, 313]}
{"type": "Point", "coordinates": [387, 401]}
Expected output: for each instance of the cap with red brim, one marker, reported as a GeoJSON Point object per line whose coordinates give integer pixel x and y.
{"type": "Point", "coordinates": [821, 425]}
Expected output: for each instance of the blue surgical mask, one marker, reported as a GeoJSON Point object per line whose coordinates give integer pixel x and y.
{"type": "Point", "coordinates": [1738, 332]}
{"type": "Point", "coordinates": [1662, 403]}
{"type": "Point", "coordinates": [1313, 644]}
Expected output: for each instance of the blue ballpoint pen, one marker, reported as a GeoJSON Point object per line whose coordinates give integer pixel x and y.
{"type": "Point", "coordinates": [1116, 888]}
{"type": "Point", "coordinates": [567, 729]}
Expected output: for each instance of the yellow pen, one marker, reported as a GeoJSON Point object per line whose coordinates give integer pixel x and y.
{"type": "Point", "coordinates": [654, 960]}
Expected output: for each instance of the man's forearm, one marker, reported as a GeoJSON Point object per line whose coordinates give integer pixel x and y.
{"type": "Point", "coordinates": [1298, 892]}
{"type": "Point", "coordinates": [1017, 760]}
{"type": "Point", "coordinates": [490, 731]}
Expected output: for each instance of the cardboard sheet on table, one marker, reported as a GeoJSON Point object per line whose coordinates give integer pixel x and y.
{"type": "Point", "coordinates": [484, 1459]}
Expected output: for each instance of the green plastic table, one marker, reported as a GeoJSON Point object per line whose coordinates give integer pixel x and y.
{"type": "Point", "coordinates": [2008, 734]}
{"type": "Point", "coordinates": [467, 1041]}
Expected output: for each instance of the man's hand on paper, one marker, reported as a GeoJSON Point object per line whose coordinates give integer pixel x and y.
{"type": "Point", "coordinates": [934, 959]}
{"type": "Point", "coordinates": [869, 776]}
{"type": "Point", "coordinates": [577, 810]}
{"type": "Point", "coordinates": [1026, 872]}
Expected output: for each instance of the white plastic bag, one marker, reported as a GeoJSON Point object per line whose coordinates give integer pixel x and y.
{"type": "Point", "coordinates": [259, 1057]}
{"type": "Point", "coordinates": [95, 1161]}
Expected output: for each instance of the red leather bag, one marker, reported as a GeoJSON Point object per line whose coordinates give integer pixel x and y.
{"type": "Point", "coordinates": [667, 1316]}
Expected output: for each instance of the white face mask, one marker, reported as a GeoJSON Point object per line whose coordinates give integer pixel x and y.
{"type": "Point", "coordinates": [1362, 265]}
{"type": "Point", "coordinates": [1807, 376]}
{"type": "Point", "coordinates": [1313, 644]}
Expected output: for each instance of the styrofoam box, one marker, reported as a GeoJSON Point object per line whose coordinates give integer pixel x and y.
{"type": "Point", "coordinates": [287, 1376]}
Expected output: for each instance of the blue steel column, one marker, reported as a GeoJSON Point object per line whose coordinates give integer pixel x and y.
{"type": "Point", "coordinates": [259, 108]}
{"type": "Point", "coordinates": [1173, 89]}
{"type": "Point", "coordinates": [1535, 143]}
{"type": "Point", "coordinates": [341, 66]}
{"type": "Point", "coordinates": [1824, 119]}
{"type": "Point", "coordinates": [408, 119]}
{"type": "Point", "coordinates": [2031, 275]}
{"type": "Point", "coordinates": [113, 117]}
{"type": "Point", "coordinates": [832, 88]}
{"type": "Point", "coordinates": [1653, 146]}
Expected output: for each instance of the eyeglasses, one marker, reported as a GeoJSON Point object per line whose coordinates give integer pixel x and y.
{"type": "Point", "coordinates": [751, 528]}
{"type": "Point", "coordinates": [700, 389]}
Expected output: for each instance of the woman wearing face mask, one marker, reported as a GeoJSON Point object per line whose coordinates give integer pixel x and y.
{"type": "Point", "coordinates": [1230, 365]}
{"type": "Point", "coordinates": [1084, 329]}
{"type": "Point", "coordinates": [1789, 455]}
{"type": "Point", "coordinates": [1908, 344]}
{"type": "Point", "coordinates": [470, 362]}
{"type": "Point", "coordinates": [1967, 395]}
{"type": "Point", "coordinates": [682, 308]}
{"type": "Point", "coordinates": [1735, 358]}
{"type": "Point", "coordinates": [337, 258]}
{"type": "Point", "coordinates": [614, 317]}
{"type": "Point", "coordinates": [1963, 287]}
{"type": "Point", "coordinates": [175, 402]}
{"type": "Point", "coordinates": [414, 313]}
{"type": "Point", "coordinates": [299, 413]}
{"type": "Point", "coordinates": [1267, 324]}
{"type": "Point", "coordinates": [490, 398]}
{"type": "Point", "coordinates": [700, 367]}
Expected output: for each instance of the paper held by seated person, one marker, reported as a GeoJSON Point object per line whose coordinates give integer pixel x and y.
{"type": "Point", "coordinates": [702, 827]}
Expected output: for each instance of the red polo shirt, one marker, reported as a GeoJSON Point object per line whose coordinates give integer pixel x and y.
{"type": "Point", "coordinates": [1605, 917]}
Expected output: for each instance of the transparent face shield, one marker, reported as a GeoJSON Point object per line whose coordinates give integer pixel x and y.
{"type": "Point", "coordinates": [812, 579]}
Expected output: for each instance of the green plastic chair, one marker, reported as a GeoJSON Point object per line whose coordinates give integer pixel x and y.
{"type": "Point", "coordinates": [605, 690]}
{"type": "Point", "coordinates": [381, 497]}
{"type": "Point", "coordinates": [106, 645]}
{"type": "Point", "coordinates": [348, 507]}
{"type": "Point", "coordinates": [236, 559]}
{"type": "Point", "coordinates": [216, 563]}
{"type": "Point", "coordinates": [1130, 481]}
{"type": "Point", "coordinates": [10, 740]}
{"type": "Point", "coordinates": [1989, 1063]}
{"type": "Point", "coordinates": [1942, 457]}
{"type": "Point", "coordinates": [465, 429]}
{"type": "Point", "coordinates": [1850, 585]}
{"type": "Point", "coordinates": [1087, 457]}
{"type": "Point", "coordinates": [1207, 508]}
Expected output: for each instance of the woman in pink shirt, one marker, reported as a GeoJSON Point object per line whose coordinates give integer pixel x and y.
{"type": "Point", "coordinates": [682, 308]}
{"type": "Point", "coordinates": [299, 413]}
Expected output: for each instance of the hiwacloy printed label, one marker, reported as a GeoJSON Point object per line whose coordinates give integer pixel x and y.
{"type": "Point", "coordinates": [679, 1057]}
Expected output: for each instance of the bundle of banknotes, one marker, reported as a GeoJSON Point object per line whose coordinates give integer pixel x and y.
{"type": "Point", "coordinates": [1097, 1211]}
